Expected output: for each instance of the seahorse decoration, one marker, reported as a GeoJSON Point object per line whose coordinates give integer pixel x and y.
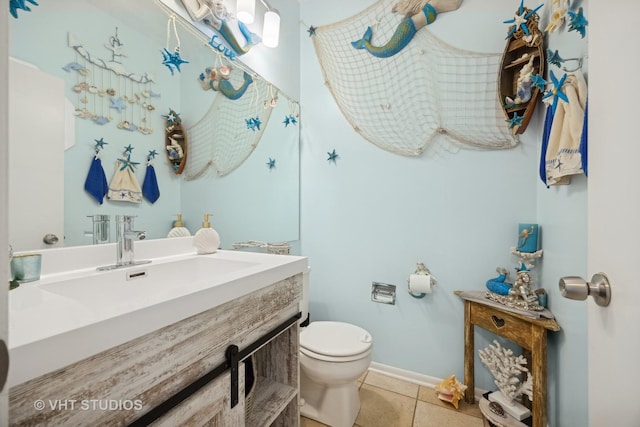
{"type": "Point", "coordinates": [218, 80]}
{"type": "Point", "coordinates": [418, 14]}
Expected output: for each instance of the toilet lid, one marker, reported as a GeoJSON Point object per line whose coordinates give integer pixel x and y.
{"type": "Point", "coordinates": [335, 339]}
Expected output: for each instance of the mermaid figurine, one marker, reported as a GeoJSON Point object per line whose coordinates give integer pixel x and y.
{"type": "Point", "coordinates": [418, 14]}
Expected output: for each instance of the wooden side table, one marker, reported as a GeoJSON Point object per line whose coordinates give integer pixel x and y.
{"type": "Point", "coordinates": [528, 333]}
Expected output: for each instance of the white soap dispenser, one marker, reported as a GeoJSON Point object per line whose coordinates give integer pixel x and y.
{"type": "Point", "coordinates": [179, 230]}
{"type": "Point", "coordinates": [206, 240]}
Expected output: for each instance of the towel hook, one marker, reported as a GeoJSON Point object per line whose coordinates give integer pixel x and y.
{"type": "Point", "coordinates": [579, 66]}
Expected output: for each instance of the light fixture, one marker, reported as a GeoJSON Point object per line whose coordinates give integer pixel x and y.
{"type": "Point", "coordinates": [246, 10]}
{"type": "Point", "coordinates": [271, 26]}
{"type": "Point", "coordinates": [271, 29]}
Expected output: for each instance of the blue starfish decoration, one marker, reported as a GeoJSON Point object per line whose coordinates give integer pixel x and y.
{"type": "Point", "coordinates": [556, 92]}
{"type": "Point", "coordinates": [520, 20]}
{"type": "Point", "coordinates": [172, 60]}
{"type": "Point", "coordinates": [271, 163]}
{"type": "Point", "coordinates": [128, 163]}
{"type": "Point", "coordinates": [172, 118]}
{"type": "Point", "coordinates": [100, 143]}
{"type": "Point", "coordinates": [332, 156]}
{"type": "Point", "coordinates": [514, 121]}
{"type": "Point", "coordinates": [253, 123]}
{"type": "Point", "coordinates": [538, 81]}
{"type": "Point", "coordinates": [128, 149]}
{"type": "Point", "coordinates": [578, 22]}
{"type": "Point", "coordinates": [554, 58]}
{"type": "Point", "coordinates": [118, 104]}
{"type": "Point", "coordinates": [312, 30]}
{"type": "Point", "coordinates": [289, 120]}
{"type": "Point", "coordinates": [14, 5]}
{"type": "Point", "coordinates": [102, 120]}
{"type": "Point", "coordinates": [152, 154]}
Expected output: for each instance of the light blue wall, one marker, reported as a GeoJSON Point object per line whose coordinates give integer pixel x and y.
{"type": "Point", "coordinates": [40, 38]}
{"type": "Point", "coordinates": [373, 215]}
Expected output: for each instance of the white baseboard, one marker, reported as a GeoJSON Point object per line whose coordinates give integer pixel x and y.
{"type": "Point", "coordinates": [413, 377]}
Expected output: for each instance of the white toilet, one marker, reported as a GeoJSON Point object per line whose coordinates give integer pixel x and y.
{"type": "Point", "coordinates": [333, 355]}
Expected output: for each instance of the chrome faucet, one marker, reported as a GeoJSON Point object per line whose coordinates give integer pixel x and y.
{"type": "Point", "coordinates": [125, 236]}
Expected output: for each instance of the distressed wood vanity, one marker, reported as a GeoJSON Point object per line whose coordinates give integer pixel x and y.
{"type": "Point", "coordinates": [180, 373]}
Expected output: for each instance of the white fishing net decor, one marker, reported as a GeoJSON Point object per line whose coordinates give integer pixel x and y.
{"type": "Point", "coordinates": [429, 88]}
{"type": "Point", "coordinates": [221, 139]}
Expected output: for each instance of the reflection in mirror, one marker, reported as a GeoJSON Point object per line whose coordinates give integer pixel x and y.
{"type": "Point", "coordinates": [100, 76]}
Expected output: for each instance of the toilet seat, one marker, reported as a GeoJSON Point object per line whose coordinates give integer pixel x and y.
{"type": "Point", "coordinates": [335, 341]}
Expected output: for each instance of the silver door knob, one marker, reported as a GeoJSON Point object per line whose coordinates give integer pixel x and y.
{"type": "Point", "coordinates": [575, 287]}
{"type": "Point", "coordinates": [50, 239]}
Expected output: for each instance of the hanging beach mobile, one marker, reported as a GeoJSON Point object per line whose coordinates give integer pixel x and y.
{"type": "Point", "coordinates": [175, 142]}
{"type": "Point", "coordinates": [172, 60]}
{"type": "Point", "coordinates": [106, 89]}
{"type": "Point", "coordinates": [96, 182]}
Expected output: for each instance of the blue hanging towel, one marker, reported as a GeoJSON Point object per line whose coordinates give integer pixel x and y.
{"type": "Point", "coordinates": [96, 182]}
{"type": "Point", "coordinates": [150, 189]}
{"type": "Point", "coordinates": [546, 131]}
{"type": "Point", "coordinates": [583, 138]}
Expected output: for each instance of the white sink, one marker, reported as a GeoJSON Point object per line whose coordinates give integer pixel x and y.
{"type": "Point", "coordinates": [147, 283]}
{"type": "Point", "coordinates": [75, 311]}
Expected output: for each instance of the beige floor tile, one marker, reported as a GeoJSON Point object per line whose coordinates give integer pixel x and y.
{"type": "Point", "coordinates": [430, 415]}
{"type": "Point", "coordinates": [382, 408]}
{"type": "Point", "coordinates": [307, 422]}
{"type": "Point", "coordinates": [392, 384]}
{"type": "Point", "coordinates": [427, 394]}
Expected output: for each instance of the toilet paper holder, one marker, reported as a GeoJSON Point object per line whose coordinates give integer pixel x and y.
{"type": "Point", "coordinates": [421, 270]}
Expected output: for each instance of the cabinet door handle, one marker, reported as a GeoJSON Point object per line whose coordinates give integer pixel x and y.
{"type": "Point", "coordinates": [498, 322]}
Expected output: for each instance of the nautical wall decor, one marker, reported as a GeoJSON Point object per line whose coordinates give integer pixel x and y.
{"type": "Point", "coordinates": [107, 92]}
{"type": "Point", "coordinates": [14, 5]}
{"type": "Point", "coordinates": [434, 75]}
{"type": "Point", "coordinates": [214, 14]}
{"type": "Point", "coordinates": [522, 69]}
{"type": "Point", "coordinates": [217, 78]}
{"type": "Point", "coordinates": [417, 14]}
{"type": "Point", "coordinates": [240, 119]}
{"type": "Point", "coordinates": [176, 142]}
{"type": "Point", "coordinates": [172, 59]}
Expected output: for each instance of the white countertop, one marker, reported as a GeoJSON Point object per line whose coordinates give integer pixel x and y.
{"type": "Point", "coordinates": [50, 329]}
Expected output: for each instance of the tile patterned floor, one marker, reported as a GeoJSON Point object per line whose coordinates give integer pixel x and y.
{"type": "Point", "coordinates": [389, 402]}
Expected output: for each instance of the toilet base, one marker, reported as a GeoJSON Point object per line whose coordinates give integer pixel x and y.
{"type": "Point", "coordinates": [335, 405]}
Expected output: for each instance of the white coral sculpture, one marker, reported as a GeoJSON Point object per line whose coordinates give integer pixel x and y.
{"type": "Point", "coordinates": [507, 370]}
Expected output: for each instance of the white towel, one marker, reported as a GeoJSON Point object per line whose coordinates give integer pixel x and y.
{"type": "Point", "coordinates": [563, 157]}
{"type": "Point", "coordinates": [124, 186]}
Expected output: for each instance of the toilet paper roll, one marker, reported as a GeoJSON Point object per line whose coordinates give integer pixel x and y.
{"type": "Point", "coordinates": [420, 283]}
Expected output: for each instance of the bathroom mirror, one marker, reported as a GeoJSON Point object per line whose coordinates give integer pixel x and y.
{"type": "Point", "coordinates": [257, 200]}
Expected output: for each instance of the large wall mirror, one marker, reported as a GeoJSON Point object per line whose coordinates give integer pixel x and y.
{"type": "Point", "coordinates": [61, 106]}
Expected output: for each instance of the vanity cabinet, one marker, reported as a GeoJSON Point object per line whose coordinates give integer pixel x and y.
{"type": "Point", "coordinates": [125, 384]}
